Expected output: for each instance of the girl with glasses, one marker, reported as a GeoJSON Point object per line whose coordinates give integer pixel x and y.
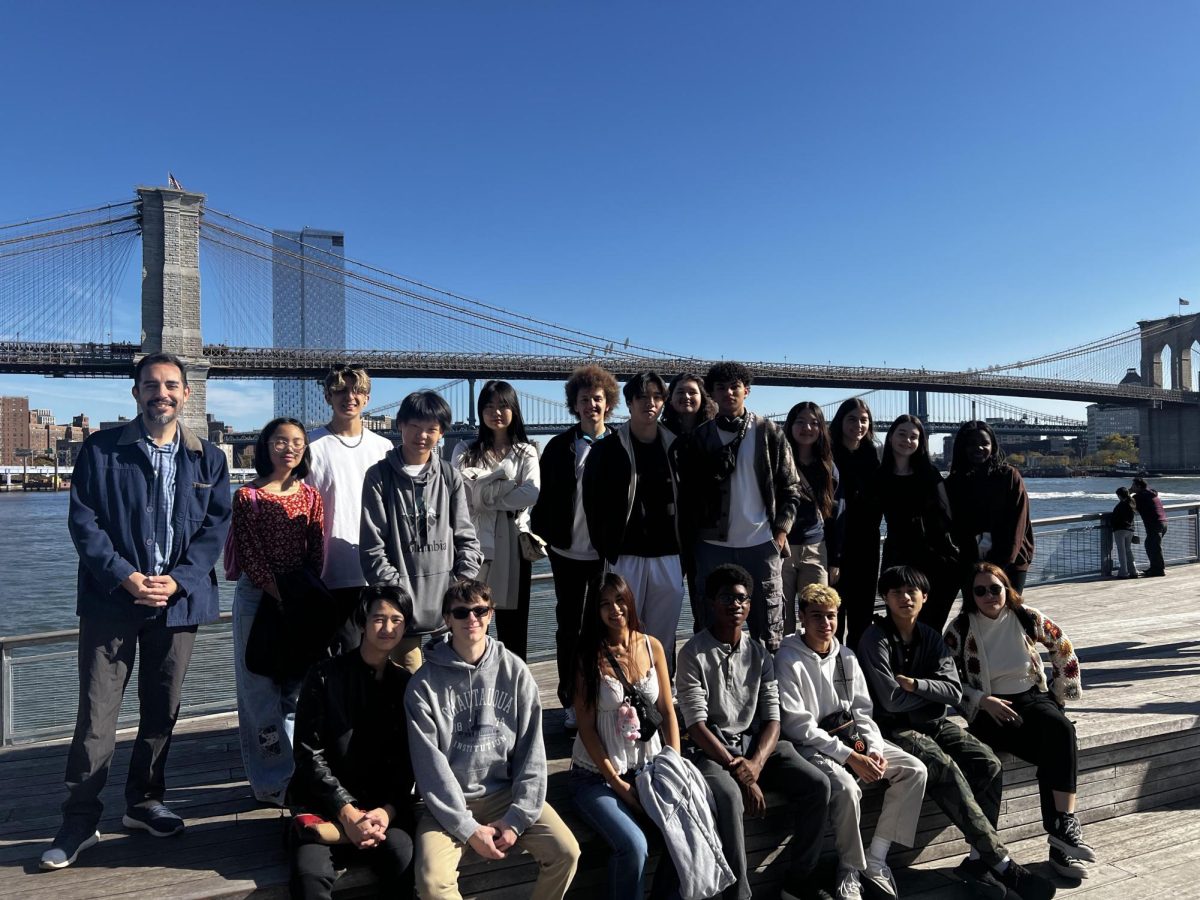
{"type": "Point", "coordinates": [501, 475]}
{"type": "Point", "coordinates": [278, 527]}
{"type": "Point", "coordinates": [1012, 707]}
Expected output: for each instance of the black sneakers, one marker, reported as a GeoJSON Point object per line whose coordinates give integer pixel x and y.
{"type": "Point", "coordinates": [155, 818]}
{"type": "Point", "coordinates": [1067, 836]}
{"type": "Point", "coordinates": [1067, 866]}
{"type": "Point", "coordinates": [1025, 884]}
{"type": "Point", "coordinates": [68, 844]}
{"type": "Point", "coordinates": [981, 879]}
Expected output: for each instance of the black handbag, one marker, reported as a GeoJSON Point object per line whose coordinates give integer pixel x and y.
{"type": "Point", "coordinates": [292, 633]}
{"type": "Point", "coordinates": [649, 718]}
{"type": "Point", "coordinates": [841, 723]}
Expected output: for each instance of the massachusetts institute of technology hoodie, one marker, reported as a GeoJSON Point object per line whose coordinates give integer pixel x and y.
{"type": "Point", "coordinates": [475, 731]}
{"type": "Point", "coordinates": [417, 532]}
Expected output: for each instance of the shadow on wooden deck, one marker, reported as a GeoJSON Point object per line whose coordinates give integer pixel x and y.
{"type": "Point", "coordinates": [1138, 725]}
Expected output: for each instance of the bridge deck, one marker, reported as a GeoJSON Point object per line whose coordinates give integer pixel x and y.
{"type": "Point", "coordinates": [1139, 727]}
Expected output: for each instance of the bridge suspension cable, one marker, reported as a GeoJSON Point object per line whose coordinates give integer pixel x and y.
{"type": "Point", "coordinates": [59, 274]}
{"type": "Point", "coordinates": [432, 318]}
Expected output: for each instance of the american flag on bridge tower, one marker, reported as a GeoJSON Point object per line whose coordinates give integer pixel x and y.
{"type": "Point", "coordinates": [173, 182]}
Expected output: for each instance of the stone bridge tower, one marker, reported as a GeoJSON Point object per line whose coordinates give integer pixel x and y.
{"type": "Point", "coordinates": [170, 221]}
{"type": "Point", "coordinates": [1170, 434]}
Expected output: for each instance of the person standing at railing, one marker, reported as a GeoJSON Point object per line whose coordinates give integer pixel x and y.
{"type": "Point", "coordinates": [989, 504]}
{"type": "Point", "coordinates": [278, 524]}
{"type": "Point", "coordinates": [1121, 523]}
{"type": "Point", "coordinates": [150, 507]}
{"type": "Point", "coordinates": [501, 475]}
{"type": "Point", "coordinates": [340, 454]}
{"type": "Point", "coordinates": [1154, 517]}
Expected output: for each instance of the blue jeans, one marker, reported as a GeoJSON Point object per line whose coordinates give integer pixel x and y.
{"type": "Point", "coordinates": [614, 821]}
{"type": "Point", "coordinates": [266, 708]}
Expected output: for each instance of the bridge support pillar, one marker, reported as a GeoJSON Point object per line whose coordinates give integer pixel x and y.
{"type": "Point", "coordinates": [170, 220]}
{"type": "Point", "coordinates": [918, 404]}
{"type": "Point", "coordinates": [1169, 438]}
{"type": "Point", "coordinates": [471, 403]}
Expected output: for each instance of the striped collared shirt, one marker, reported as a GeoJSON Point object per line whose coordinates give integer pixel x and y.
{"type": "Point", "coordinates": [162, 497]}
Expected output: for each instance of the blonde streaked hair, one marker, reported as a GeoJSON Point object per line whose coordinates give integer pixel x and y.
{"type": "Point", "coordinates": [342, 377]}
{"type": "Point", "coordinates": [818, 595]}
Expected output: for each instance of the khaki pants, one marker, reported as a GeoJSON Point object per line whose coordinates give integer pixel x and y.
{"type": "Point", "coordinates": [408, 653]}
{"type": "Point", "coordinates": [548, 841]}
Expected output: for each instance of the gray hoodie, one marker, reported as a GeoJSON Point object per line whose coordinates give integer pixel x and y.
{"type": "Point", "coordinates": [475, 731]}
{"type": "Point", "coordinates": [417, 532]}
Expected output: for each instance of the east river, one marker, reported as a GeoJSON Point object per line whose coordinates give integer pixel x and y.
{"type": "Point", "coordinates": [38, 562]}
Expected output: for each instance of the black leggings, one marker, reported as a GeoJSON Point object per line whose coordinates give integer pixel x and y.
{"type": "Point", "coordinates": [1045, 738]}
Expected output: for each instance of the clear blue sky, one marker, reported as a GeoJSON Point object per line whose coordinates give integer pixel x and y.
{"type": "Point", "coordinates": [937, 184]}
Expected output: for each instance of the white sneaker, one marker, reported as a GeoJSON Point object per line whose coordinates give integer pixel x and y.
{"type": "Point", "coordinates": [882, 879]}
{"type": "Point", "coordinates": [848, 886]}
{"type": "Point", "coordinates": [66, 849]}
{"type": "Point", "coordinates": [569, 721]}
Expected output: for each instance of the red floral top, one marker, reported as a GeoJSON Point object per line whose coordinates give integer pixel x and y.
{"type": "Point", "coordinates": [278, 533]}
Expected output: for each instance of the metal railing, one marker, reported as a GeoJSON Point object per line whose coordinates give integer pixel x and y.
{"type": "Point", "coordinates": [39, 684]}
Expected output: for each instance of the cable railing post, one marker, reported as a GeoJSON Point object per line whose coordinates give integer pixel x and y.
{"type": "Point", "coordinates": [5, 695]}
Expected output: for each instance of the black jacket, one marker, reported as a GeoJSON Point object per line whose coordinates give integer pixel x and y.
{"type": "Point", "coordinates": [928, 661]}
{"type": "Point", "coordinates": [351, 740]}
{"type": "Point", "coordinates": [553, 516]}
{"type": "Point", "coordinates": [609, 488]}
{"type": "Point", "coordinates": [1122, 516]}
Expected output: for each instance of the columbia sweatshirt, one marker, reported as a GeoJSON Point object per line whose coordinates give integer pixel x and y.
{"type": "Point", "coordinates": [476, 730]}
{"type": "Point", "coordinates": [417, 533]}
{"type": "Point", "coordinates": [807, 694]}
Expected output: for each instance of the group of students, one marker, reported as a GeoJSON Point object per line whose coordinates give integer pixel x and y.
{"type": "Point", "coordinates": [419, 555]}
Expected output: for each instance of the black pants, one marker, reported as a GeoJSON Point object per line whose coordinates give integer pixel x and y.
{"type": "Point", "coordinates": [945, 581]}
{"type": "Point", "coordinates": [107, 650]}
{"type": "Point", "coordinates": [857, 586]}
{"type": "Point", "coordinates": [512, 625]}
{"type": "Point", "coordinates": [1045, 738]}
{"type": "Point", "coordinates": [807, 792]}
{"type": "Point", "coordinates": [1154, 538]}
{"type": "Point", "coordinates": [314, 866]}
{"type": "Point", "coordinates": [571, 580]}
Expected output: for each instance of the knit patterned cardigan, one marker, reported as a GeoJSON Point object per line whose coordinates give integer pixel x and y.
{"type": "Point", "coordinates": [964, 645]}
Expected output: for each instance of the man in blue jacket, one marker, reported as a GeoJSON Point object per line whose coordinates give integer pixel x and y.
{"type": "Point", "coordinates": [150, 507]}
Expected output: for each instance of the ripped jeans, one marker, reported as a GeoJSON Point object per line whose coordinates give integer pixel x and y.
{"type": "Point", "coordinates": [266, 708]}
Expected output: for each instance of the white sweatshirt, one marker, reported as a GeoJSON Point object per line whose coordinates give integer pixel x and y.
{"type": "Point", "coordinates": [807, 694]}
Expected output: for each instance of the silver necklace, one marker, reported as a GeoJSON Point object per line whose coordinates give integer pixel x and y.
{"type": "Point", "coordinates": [348, 445]}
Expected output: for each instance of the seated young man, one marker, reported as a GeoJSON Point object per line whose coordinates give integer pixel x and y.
{"type": "Point", "coordinates": [475, 727]}
{"type": "Point", "coordinates": [416, 529]}
{"type": "Point", "coordinates": [912, 679]}
{"type": "Point", "coordinates": [821, 688]}
{"type": "Point", "coordinates": [352, 761]}
{"type": "Point", "coordinates": [727, 694]}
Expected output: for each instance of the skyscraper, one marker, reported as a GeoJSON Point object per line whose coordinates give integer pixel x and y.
{"type": "Point", "coordinates": [308, 309]}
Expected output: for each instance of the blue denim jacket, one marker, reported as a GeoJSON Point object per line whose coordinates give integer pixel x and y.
{"type": "Point", "coordinates": [113, 529]}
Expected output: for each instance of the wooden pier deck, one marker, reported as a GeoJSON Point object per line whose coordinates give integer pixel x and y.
{"type": "Point", "coordinates": [1139, 728]}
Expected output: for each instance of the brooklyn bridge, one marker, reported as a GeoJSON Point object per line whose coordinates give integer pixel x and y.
{"type": "Point", "coordinates": [60, 276]}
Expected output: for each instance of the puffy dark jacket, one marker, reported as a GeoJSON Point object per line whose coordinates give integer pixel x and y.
{"type": "Point", "coordinates": [351, 739]}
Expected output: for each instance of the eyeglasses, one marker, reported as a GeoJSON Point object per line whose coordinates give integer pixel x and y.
{"type": "Point", "coordinates": [283, 444]}
{"type": "Point", "coordinates": [479, 612]}
{"type": "Point", "coordinates": [982, 590]}
{"type": "Point", "coordinates": [731, 599]}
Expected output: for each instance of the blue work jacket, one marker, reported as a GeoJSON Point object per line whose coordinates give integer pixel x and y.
{"type": "Point", "coordinates": [114, 532]}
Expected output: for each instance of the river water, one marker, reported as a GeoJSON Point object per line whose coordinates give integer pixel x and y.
{"type": "Point", "coordinates": [38, 562]}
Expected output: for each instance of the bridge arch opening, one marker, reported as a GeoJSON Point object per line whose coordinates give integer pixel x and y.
{"type": "Point", "coordinates": [1164, 358]}
{"type": "Point", "coordinates": [1193, 366]}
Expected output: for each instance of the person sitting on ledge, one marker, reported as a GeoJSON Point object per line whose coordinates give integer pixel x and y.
{"type": "Point", "coordinates": [352, 762]}
{"type": "Point", "coordinates": [475, 726]}
{"type": "Point", "coordinates": [729, 700]}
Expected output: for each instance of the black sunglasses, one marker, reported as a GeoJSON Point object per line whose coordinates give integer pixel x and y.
{"type": "Point", "coordinates": [480, 612]}
{"type": "Point", "coordinates": [982, 590]}
{"type": "Point", "coordinates": [731, 599]}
